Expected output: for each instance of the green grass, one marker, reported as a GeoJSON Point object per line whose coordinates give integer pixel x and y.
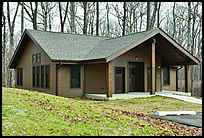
{"type": "Point", "coordinates": [38, 114]}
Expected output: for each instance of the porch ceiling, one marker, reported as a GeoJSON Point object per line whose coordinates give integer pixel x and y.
{"type": "Point", "coordinates": [170, 55]}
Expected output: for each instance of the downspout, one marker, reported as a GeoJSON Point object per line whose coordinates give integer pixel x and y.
{"type": "Point", "coordinates": [177, 77]}
{"type": "Point", "coordinates": [57, 67]}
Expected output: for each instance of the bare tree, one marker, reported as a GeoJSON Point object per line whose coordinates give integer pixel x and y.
{"type": "Point", "coordinates": [158, 11]}
{"type": "Point", "coordinates": [22, 18]}
{"type": "Point", "coordinates": [32, 13]}
{"type": "Point", "coordinates": [4, 63]}
{"type": "Point", "coordinates": [97, 18]}
{"type": "Point", "coordinates": [107, 18]}
{"type": "Point", "coordinates": [72, 14]}
{"type": "Point", "coordinates": [11, 30]}
{"type": "Point", "coordinates": [124, 17]}
{"type": "Point", "coordinates": [46, 15]}
{"type": "Point", "coordinates": [85, 18]}
{"type": "Point", "coordinates": [62, 21]}
{"type": "Point", "coordinates": [148, 16]}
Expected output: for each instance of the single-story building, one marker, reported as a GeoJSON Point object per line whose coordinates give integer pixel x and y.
{"type": "Point", "coordinates": [72, 65]}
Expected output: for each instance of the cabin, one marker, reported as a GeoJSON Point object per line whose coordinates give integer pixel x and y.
{"type": "Point", "coordinates": [72, 65]}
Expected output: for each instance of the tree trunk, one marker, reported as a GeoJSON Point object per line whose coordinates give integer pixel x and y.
{"type": "Point", "coordinates": [153, 18]}
{"type": "Point", "coordinates": [158, 14]}
{"type": "Point", "coordinates": [124, 18]}
{"type": "Point", "coordinates": [22, 18]}
{"type": "Point", "coordinates": [189, 26]}
{"type": "Point", "coordinates": [72, 9]}
{"type": "Point", "coordinates": [85, 18]}
{"type": "Point", "coordinates": [107, 18]}
{"type": "Point", "coordinates": [174, 21]}
{"type": "Point", "coordinates": [97, 19]}
{"type": "Point", "coordinates": [11, 30]}
{"type": "Point", "coordinates": [62, 21]}
{"type": "Point", "coordinates": [4, 66]}
{"type": "Point", "coordinates": [148, 16]}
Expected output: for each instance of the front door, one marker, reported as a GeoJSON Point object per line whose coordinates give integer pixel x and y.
{"type": "Point", "coordinates": [119, 80]}
{"type": "Point", "coordinates": [136, 76]}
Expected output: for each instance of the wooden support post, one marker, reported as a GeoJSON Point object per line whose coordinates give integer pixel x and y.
{"type": "Point", "coordinates": [152, 92]}
{"type": "Point", "coordinates": [109, 79]}
{"type": "Point", "coordinates": [187, 79]}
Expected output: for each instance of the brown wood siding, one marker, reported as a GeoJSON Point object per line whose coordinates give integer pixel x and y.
{"type": "Point", "coordinates": [144, 55]}
{"type": "Point", "coordinates": [64, 84]}
{"type": "Point", "coordinates": [25, 62]}
{"type": "Point", "coordinates": [172, 86]}
{"type": "Point", "coordinates": [94, 78]}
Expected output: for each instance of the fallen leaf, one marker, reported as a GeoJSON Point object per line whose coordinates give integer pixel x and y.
{"type": "Point", "coordinates": [78, 115]}
{"type": "Point", "coordinates": [23, 132]}
{"type": "Point", "coordinates": [37, 128]}
{"type": "Point", "coordinates": [66, 130]}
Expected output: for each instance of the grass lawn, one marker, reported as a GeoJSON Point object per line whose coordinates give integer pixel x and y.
{"type": "Point", "coordinates": [33, 113]}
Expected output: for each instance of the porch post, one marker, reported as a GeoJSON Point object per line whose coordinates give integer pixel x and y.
{"type": "Point", "coordinates": [109, 79]}
{"type": "Point", "coordinates": [187, 79]}
{"type": "Point", "coordinates": [152, 92]}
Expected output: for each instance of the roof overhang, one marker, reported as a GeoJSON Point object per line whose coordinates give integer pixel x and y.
{"type": "Point", "coordinates": [91, 61]}
{"type": "Point", "coordinates": [172, 53]}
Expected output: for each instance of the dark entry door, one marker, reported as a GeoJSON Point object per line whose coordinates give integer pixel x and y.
{"type": "Point", "coordinates": [119, 80]}
{"type": "Point", "coordinates": [136, 76]}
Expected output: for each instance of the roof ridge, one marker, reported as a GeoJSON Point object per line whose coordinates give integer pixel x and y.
{"type": "Point", "coordinates": [67, 33]}
{"type": "Point", "coordinates": [134, 33]}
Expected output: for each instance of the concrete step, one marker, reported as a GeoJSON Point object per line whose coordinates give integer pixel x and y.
{"type": "Point", "coordinates": [167, 113]}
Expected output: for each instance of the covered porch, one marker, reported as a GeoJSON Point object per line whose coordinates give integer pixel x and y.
{"type": "Point", "coordinates": [171, 55]}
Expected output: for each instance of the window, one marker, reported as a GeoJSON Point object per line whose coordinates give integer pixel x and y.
{"type": "Point", "coordinates": [36, 58]}
{"type": "Point", "coordinates": [166, 75]}
{"type": "Point", "coordinates": [75, 76]}
{"type": "Point", "coordinates": [20, 76]}
{"type": "Point", "coordinates": [33, 76]}
{"type": "Point", "coordinates": [38, 76]}
{"type": "Point", "coordinates": [42, 76]}
{"type": "Point", "coordinates": [47, 76]}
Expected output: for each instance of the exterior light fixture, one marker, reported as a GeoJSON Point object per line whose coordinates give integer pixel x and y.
{"type": "Point", "coordinates": [159, 66]}
{"type": "Point", "coordinates": [154, 41]}
{"type": "Point", "coordinates": [136, 58]}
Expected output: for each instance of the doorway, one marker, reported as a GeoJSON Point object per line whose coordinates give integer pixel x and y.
{"type": "Point", "coordinates": [136, 76]}
{"type": "Point", "coordinates": [119, 80]}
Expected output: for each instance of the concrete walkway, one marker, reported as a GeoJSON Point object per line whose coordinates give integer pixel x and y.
{"type": "Point", "coordinates": [179, 97]}
{"type": "Point", "coordinates": [170, 94]}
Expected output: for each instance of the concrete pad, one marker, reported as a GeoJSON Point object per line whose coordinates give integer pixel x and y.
{"type": "Point", "coordinates": [190, 120]}
{"type": "Point", "coordinates": [166, 113]}
{"type": "Point", "coordinates": [129, 95]}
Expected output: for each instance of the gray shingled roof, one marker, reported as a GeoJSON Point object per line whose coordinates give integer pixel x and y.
{"type": "Point", "coordinates": [63, 46]}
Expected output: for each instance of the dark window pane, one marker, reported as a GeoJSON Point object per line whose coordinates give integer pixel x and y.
{"type": "Point", "coordinates": [38, 76]}
{"type": "Point", "coordinates": [166, 76]}
{"type": "Point", "coordinates": [17, 76]}
{"type": "Point", "coordinates": [75, 76]}
{"type": "Point", "coordinates": [34, 76]}
{"type": "Point", "coordinates": [47, 76]}
{"type": "Point", "coordinates": [42, 76]}
{"type": "Point", "coordinates": [21, 76]}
